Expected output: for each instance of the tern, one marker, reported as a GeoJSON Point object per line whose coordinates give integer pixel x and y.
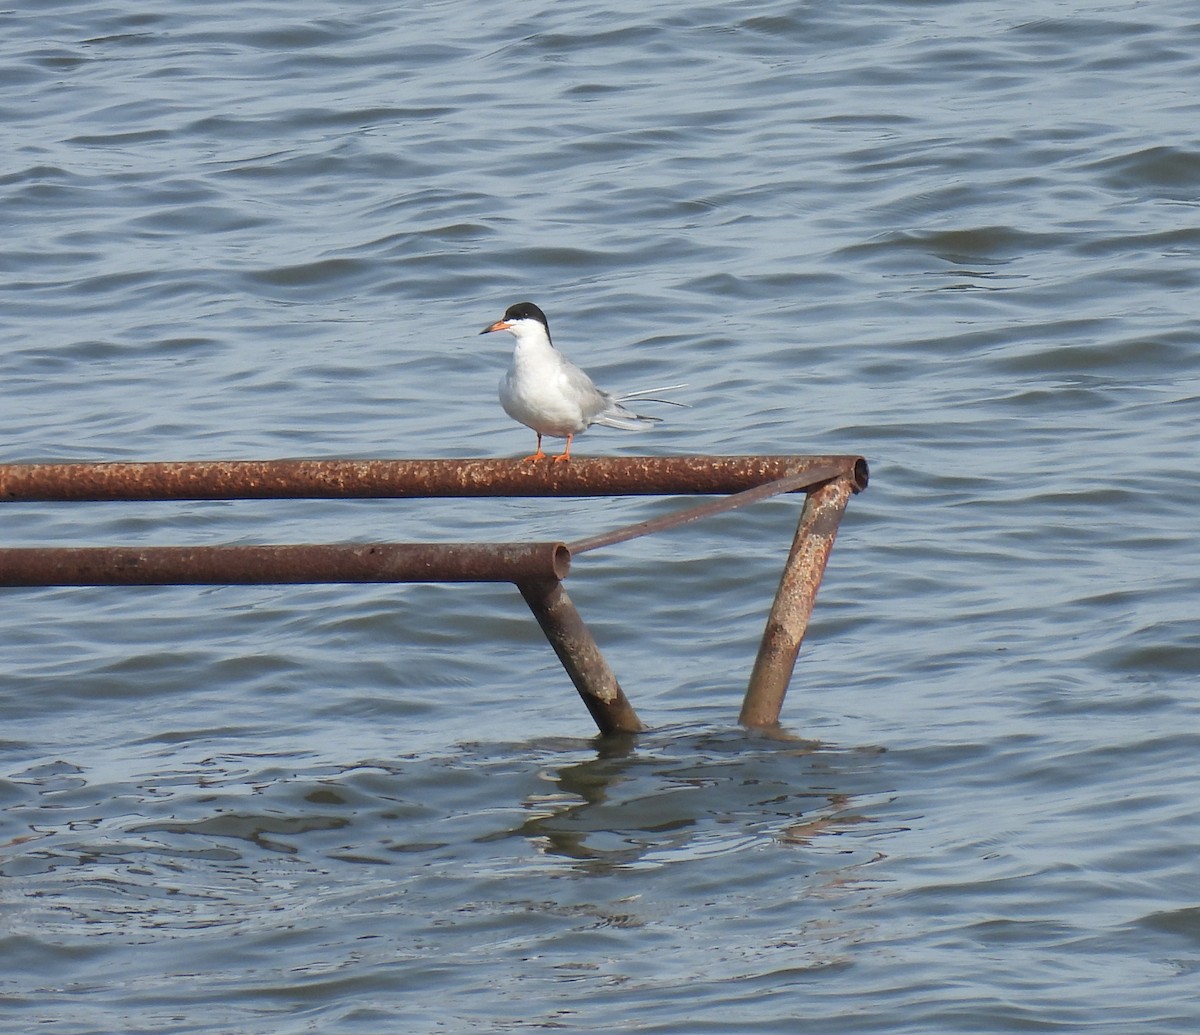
{"type": "Point", "coordinates": [546, 392]}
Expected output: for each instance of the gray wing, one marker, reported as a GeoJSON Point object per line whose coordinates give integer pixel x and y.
{"type": "Point", "coordinates": [581, 388]}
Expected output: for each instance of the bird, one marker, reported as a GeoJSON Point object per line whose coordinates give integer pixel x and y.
{"type": "Point", "coordinates": [546, 392]}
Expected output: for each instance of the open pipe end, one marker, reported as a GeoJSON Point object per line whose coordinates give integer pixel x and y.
{"type": "Point", "coordinates": [561, 560]}
{"type": "Point", "coordinates": [862, 474]}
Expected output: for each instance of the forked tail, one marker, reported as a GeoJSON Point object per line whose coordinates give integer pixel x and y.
{"type": "Point", "coordinates": [620, 416]}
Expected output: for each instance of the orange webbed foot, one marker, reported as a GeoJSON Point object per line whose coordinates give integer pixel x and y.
{"type": "Point", "coordinates": [539, 455]}
{"type": "Point", "coordinates": [566, 453]}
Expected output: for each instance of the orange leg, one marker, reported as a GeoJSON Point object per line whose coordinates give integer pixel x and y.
{"type": "Point", "coordinates": [539, 455]}
{"type": "Point", "coordinates": [566, 453]}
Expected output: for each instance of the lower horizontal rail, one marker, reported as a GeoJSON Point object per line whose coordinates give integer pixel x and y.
{"type": "Point", "coordinates": [292, 564]}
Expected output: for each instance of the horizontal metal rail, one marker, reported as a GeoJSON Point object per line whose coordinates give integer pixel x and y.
{"type": "Point", "coordinates": [282, 565]}
{"type": "Point", "coordinates": [409, 479]}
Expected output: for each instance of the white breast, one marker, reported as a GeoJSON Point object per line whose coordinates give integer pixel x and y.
{"type": "Point", "coordinates": [545, 392]}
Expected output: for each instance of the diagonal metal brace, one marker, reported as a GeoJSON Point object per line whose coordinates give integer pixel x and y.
{"type": "Point", "coordinates": [581, 657]}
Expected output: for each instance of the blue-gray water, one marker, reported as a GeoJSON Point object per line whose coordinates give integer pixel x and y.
{"type": "Point", "coordinates": [959, 238]}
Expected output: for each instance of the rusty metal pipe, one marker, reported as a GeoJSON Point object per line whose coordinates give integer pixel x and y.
{"type": "Point", "coordinates": [580, 656]}
{"type": "Point", "coordinates": [358, 479]}
{"type": "Point", "coordinates": [254, 565]}
{"type": "Point", "coordinates": [536, 568]}
{"type": "Point", "coordinates": [793, 603]}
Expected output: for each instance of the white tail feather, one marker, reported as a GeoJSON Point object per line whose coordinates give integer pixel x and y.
{"type": "Point", "coordinates": [647, 394]}
{"type": "Point", "coordinates": [619, 416]}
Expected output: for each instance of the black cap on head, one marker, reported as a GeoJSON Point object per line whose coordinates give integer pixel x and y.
{"type": "Point", "coordinates": [526, 311]}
